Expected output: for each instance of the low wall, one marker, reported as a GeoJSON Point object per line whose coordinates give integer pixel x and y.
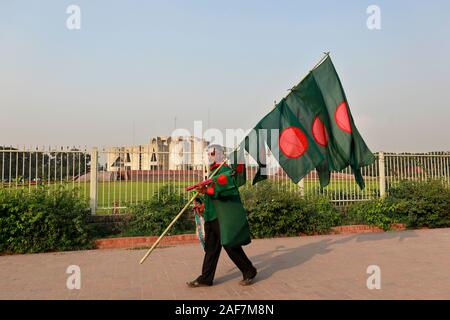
{"type": "Point", "coordinates": [139, 242]}
{"type": "Point", "coordinates": [107, 224]}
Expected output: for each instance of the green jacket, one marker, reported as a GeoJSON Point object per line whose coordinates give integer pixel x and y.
{"type": "Point", "coordinates": [222, 201]}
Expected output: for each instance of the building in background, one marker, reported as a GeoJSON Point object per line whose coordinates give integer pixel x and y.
{"type": "Point", "coordinates": [162, 153]}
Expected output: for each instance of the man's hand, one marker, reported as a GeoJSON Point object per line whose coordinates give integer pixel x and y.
{"type": "Point", "coordinates": [198, 185]}
{"type": "Point", "coordinates": [201, 189]}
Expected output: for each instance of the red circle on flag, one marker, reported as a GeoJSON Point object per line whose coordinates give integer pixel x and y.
{"type": "Point", "coordinates": [239, 168]}
{"type": "Point", "coordinates": [319, 132]}
{"type": "Point", "coordinates": [222, 179]}
{"type": "Point", "coordinates": [342, 119]}
{"type": "Point", "coordinates": [210, 191]}
{"type": "Point", "coordinates": [293, 142]}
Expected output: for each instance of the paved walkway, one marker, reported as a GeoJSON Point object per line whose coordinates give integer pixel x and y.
{"type": "Point", "coordinates": [414, 265]}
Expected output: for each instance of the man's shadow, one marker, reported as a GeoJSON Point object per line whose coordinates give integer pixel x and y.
{"type": "Point", "coordinates": [281, 258]}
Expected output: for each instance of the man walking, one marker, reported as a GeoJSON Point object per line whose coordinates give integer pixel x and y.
{"type": "Point", "coordinates": [225, 223]}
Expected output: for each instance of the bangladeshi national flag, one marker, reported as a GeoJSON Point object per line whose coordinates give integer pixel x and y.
{"type": "Point", "coordinates": [320, 105]}
{"type": "Point", "coordinates": [322, 134]}
{"type": "Point", "coordinates": [290, 144]}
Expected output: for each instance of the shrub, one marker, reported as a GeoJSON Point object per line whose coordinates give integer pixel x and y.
{"type": "Point", "coordinates": [42, 220]}
{"type": "Point", "coordinates": [379, 212]}
{"type": "Point", "coordinates": [151, 217]}
{"type": "Point", "coordinates": [426, 204]}
{"type": "Point", "coordinates": [417, 204]}
{"type": "Point", "coordinates": [272, 212]}
{"type": "Point", "coordinates": [321, 216]}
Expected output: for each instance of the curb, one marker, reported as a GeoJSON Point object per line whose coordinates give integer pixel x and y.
{"type": "Point", "coordinates": [137, 242]}
{"type": "Point", "coordinates": [363, 228]}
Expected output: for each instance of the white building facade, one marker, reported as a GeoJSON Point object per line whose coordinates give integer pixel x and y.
{"type": "Point", "coordinates": [162, 153]}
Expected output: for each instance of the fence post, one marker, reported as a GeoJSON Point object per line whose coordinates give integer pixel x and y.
{"type": "Point", "coordinates": [382, 173]}
{"type": "Point", "coordinates": [93, 180]}
{"type": "Point", "coordinates": [301, 185]}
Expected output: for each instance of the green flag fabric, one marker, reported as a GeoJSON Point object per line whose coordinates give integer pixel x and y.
{"type": "Point", "coordinates": [320, 104]}
{"type": "Point", "coordinates": [238, 166]}
{"type": "Point", "coordinates": [282, 134]}
{"type": "Point", "coordinates": [319, 109]}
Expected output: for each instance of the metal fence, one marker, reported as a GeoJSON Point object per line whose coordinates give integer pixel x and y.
{"type": "Point", "coordinates": [126, 176]}
{"type": "Point", "coordinates": [27, 168]}
{"type": "Point", "coordinates": [130, 176]}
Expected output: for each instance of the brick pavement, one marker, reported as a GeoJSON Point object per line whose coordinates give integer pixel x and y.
{"type": "Point", "coordinates": [414, 265]}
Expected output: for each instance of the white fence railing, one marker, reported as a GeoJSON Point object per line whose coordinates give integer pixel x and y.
{"type": "Point", "coordinates": [126, 176]}
{"type": "Point", "coordinates": [28, 168]}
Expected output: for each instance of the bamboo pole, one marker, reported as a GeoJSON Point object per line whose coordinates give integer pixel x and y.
{"type": "Point", "coordinates": [176, 218]}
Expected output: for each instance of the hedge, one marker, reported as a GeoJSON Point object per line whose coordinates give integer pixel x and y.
{"type": "Point", "coordinates": [42, 220]}
{"type": "Point", "coordinates": [56, 219]}
{"type": "Point", "coordinates": [417, 204]}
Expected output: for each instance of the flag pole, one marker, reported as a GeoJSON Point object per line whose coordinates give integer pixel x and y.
{"type": "Point", "coordinates": [176, 218]}
{"type": "Point", "coordinates": [326, 54]}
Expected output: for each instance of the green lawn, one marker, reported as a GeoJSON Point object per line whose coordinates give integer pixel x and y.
{"type": "Point", "coordinates": [120, 194]}
{"type": "Point", "coordinates": [124, 192]}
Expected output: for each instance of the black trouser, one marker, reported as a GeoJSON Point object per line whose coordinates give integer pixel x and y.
{"type": "Point", "coordinates": [212, 253]}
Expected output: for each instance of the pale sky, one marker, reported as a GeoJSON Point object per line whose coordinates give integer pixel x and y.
{"type": "Point", "coordinates": [145, 63]}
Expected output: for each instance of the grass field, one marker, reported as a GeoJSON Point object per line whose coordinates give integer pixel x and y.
{"type": "Point", "coordinates": [114, 197]}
